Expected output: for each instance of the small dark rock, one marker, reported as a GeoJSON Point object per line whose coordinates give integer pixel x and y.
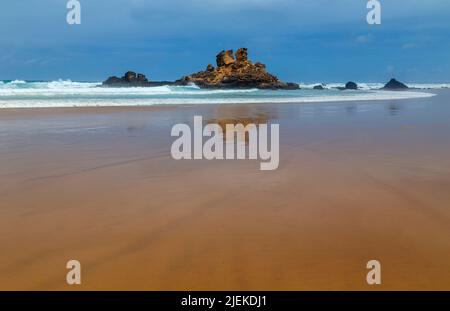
{"type": "Point", "coordinates": [395, 85]}
{"type": "Point", "coordinates": [318, 87]}
{"type": "Point", "coordinates": [129, 79]}
{"type": "Point", "coordinates": [351, 86]}
{"type": "Point", "coordinates": [141, 78]}
{"type": "Point", "coordinates": [291, 86]}
{"type": "Point", "coordinates": [132, 79]}
{"type": "Point", "coordinates": [113, 80]}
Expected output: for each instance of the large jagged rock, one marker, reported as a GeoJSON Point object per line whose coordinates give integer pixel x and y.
{"type": "Point", "coordinates": [236, 72]}
{"type": "Point", "coordinates": [395, 85]}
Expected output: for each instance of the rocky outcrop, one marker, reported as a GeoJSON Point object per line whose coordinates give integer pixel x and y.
{"type": "Point", "coordinates": [395, 85]}
{"type": "Point", "coordinates": [348, 86]}
{"type": "Point", "coordinates": [351, 86]}
{"type": "Point", "coordinates": [236, 71]}
{"type": "Point", "coordinates": [132, 79]}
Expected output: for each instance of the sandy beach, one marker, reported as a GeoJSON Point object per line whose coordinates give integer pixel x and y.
{"type": "Point", "coordinates": [357, 181]}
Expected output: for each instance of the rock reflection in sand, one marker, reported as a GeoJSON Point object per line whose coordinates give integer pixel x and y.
{"type": "Point", "coordinates": [394, 109]}
{"type": "Point", "coordinates": [243, 115]}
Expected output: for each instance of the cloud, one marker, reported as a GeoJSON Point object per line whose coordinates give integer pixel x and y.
{"type": "Point", "coordinates": [409, 45]}
{"type": "Point", "coordinates": [364, 38]}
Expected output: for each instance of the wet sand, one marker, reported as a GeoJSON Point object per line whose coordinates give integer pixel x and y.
{"type": "Point", "coordinates": [357, 181]}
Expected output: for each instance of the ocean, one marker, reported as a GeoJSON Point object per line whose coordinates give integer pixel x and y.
{"type": "Point", "coordinates": [66, 93]}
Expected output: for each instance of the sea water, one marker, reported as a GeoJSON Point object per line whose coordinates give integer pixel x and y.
{"type": "Point", "coordinates": [39, 94]}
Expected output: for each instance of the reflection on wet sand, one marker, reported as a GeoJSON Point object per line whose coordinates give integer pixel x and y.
{"type": "Point", "coordinates": [394, 109]}
{"type": "Point", "coordinates": [245, 116]}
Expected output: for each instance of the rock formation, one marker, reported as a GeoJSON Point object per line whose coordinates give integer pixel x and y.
{"type": "Point", "coordinates": [242, 55]}
{"type": "Point", "coordinates": [225, 58]}
{"type": "Point", "coordinates": [348, 86]}
{"type": "Point", "coordinates": [318, 87]}
{"type": "Point", "coordinates": [132, 79]}
{"type": "Point", "coordinates": [395, 85]}
{"type": "Point", "coordinates": [351, 86]}
{"type": "Point", "coordinates": [129, 78]}
{"type": "Point", "coordinates": [232, 71]}
{"type": "Point", "coordinates": [236, 71]}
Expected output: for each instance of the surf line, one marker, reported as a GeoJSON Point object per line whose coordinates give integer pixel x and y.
{"type": "Point", "coordinates": [221, 144]}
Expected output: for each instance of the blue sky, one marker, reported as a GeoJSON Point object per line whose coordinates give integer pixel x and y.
{"type": "Point", "coordinates": [298, 40]}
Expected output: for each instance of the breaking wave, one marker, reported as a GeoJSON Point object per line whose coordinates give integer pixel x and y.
{"type": "Point", "coordinates": [377, 86]}
{"type": "Point", "coordinates": [66, 93]}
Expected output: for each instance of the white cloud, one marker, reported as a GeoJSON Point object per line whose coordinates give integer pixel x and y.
{"type": "Point", "coordinates": [367, 38]}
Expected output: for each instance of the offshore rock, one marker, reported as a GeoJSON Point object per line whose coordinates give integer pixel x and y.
{"type": "Point", "coordinates": [351, 86]}
{"type": "Point", "coordinates": [395, 85]}
{"type": "Point", "coordinates": [132, 79]}
{"type": "Point", "coordinates": [236, 71]}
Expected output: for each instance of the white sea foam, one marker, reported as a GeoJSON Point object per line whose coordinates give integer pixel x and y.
{"type": "Point", "coordinates": [377, 86]}
{"type": "Point", "coordinates": [18, 82]}
{"type": "Point", "coordinates": [66, 93]}
{"type": "Point", "coordinates": [429, 86]}
{"type": "Point", "coordinates": [60, 88]}
{"type": "Point", "coordinates": [72, 84]}
{"type": "Point", "coordinates": [330, 86]}
{"type": "Point", "coordinates": [98, 102]}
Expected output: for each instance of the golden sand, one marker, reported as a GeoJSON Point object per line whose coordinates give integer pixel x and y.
{"type": "Point", "coordinates": [138, 220]}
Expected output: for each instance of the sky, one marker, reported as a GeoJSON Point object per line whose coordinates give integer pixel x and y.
{"type": "Point", "coordinates": [298, 40]}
